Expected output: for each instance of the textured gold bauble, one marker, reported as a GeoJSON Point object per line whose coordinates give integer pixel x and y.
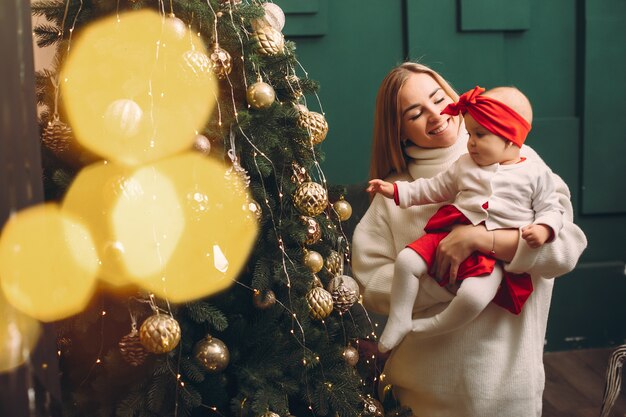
{"type": "Point", "coordinates": [159, 333]}
{"type": "Point", "coordinates": [263, 299]}
{"type": "Point", "coordinates": [268, 41]}
{"type": "Point", "coordinates": [221, 62]}
{"type": "Point", "coordinates": [343, 209]}
{"type": "Point", "coordinates": [270, 414]}
{"type": "Point", "coordinates": [212, 354]}
{"type": "Point", "coordinates": [131, 349]}
{"type": "Point", "coordinates": [57, 136]}
{"type": "Point", "coordinates": [202, 144]}
{"type": "Point", "coordinates": [260, 95]}
{"type": "Point", "coordinates": [372, 407]}
{"type": "Point", "coordinates": [314, 261]}
{"type": "Point", "coordinates": [315, 124]}
{"type": "Point", "coordinates": [333, 263]}
{"type": "Point", "coordinates": [313, 230]}
{"type": "Point", "coordinates": [310, 198]}
{"type": "Point", "coordinates": [230, 2]}
{"type": "Point", "coordinates": [320, 303]}
{"type": "Point", "coordinates": [255, 208]}
{"type": "Point", "coordinates": [350, 355]}
{"type": "Point", "coordinates": [345, 292]}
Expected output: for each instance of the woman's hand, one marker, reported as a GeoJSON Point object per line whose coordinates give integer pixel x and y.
{"type": "Point", "coordinates": [455, 248]}
{"type": "Point", "coordinates": [465, 239]}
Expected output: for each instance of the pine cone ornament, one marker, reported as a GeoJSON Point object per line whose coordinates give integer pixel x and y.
{"type": "Point", "coordinates": [57, 136]}
{"type": "Point", "coordinates": [320, 302]}
{"type": "Point", "coordinates": [333, 263]}
{"type": "Point", "coordinates": [268, 41]}
{"type": "Point", "coordinates": [310, 198]}
{"type": "Point", "coordinates": [315, 124]}
{"type": "Point", "coordinates": [131, 349]}
{"type": "Point", "coordinates": [159, 333]}
{"type": "Point", "coordinates": [313, 230]}
{"type": "Point", "coordinates": [345, 292]}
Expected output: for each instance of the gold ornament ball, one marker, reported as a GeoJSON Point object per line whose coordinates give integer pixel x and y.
{"type": "Point", "coordinates": [202, 144]}
{"type": "Point", "coordinates": [212, 354]}
{"type": "Point", "coordinates": [268, 41]}
{"type": "Point", "coordinates": [350, 355]}
{"type": "Point", "coordinates": [263, 299]}
{"type": "Point", "coordinates": [270, 414]}
{"type": "Point", "coordinates": [230, 2]}
{"type": "Point", "coordinates": [314, 261]}
{"type": "Point", "coordinates": [159, 333]}
{"type": "Point", "coordinates": [313, 230]}
{"type": "Point", "coordinates": [343, 209]}
{"type": "Point", "coordinates": [345, 292]}
{"type": "Point", "coordinates": [320, 303]}
{"type": "Point", "coordinates": [333, 263]}
{"type": "Point", "coordinates": [221, 62]}
{"type": "Point", "coordinates": [310, 198]}
{"type": "Point", "coordinates": [372, 407]}
{"type": "Point", "coordinates": [315, 124]}
{"type": "Point", "coordinates": [260, 95]}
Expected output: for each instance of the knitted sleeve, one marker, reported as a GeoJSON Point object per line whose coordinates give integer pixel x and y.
{"type": "Point", "coordinates": [373, 256]}
{"type": "Point", "coordinates": [560, 256]}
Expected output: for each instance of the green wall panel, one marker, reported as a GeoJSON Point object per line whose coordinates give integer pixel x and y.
{"type": "Point", "coordinates": [305, 17]}
{"type": "Point", "coordinates": [364, 40]}
{"type": "Point", "coordinates": [464, 58]}
{"type": "Point", "coordinates": [588, 307]}
{"type": "Point", "coordinates": [605, 88]}
{"type": "Point", "coordinates": [494, 15]}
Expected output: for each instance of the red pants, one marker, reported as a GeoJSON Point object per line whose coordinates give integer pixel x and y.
{"type": "Point", "coordinates": [515, 288]}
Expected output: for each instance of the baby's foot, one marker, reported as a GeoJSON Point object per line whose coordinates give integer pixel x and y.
{"type": "Point", "coordinates": [393, 334]}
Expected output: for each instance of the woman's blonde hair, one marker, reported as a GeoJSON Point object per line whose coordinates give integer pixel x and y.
{"type": "Point", "coordinates": [387, 154]}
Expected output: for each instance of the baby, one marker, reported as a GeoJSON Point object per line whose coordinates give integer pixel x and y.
{"type": "Point", "coordinates": [491, 185]}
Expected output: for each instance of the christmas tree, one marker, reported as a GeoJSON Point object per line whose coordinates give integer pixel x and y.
{"type": "Point", "coordinates": [283, 339]}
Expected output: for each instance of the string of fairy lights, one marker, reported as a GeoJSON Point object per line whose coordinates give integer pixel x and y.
{"type": "Point", "coordinates": [293, 83]}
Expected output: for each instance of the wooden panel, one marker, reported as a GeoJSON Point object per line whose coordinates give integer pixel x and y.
{"type": "Point", "coordinates": [588, 307]}
{"type": "Point", "coordinates": [575, 384]}
{"type": "Point", "coordinates": [305, 17]}
{"type": "Point", "coordinates": [604, 141]}
{"type": "Point", "coordinates": [495, 15]}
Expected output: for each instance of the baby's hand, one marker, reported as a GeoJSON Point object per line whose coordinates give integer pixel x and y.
{"type": "Point", "coordinates": [536, 234]}
{"type": "Point", "coordinates": [381, 187]}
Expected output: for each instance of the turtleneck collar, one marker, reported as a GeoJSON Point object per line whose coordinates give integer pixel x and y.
{"type": "Point", "coordinates": [428, 162]}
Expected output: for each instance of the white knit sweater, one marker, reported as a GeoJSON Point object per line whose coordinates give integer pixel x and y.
{"type": "Point", "coordinates": [493, 367]}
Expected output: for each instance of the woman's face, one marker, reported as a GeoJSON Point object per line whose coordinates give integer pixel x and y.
{"type": "Point", "coordinates": [421, 101]}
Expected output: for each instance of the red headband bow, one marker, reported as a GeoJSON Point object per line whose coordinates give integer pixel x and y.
{"type": "Point", "coordinates": [492, 114]}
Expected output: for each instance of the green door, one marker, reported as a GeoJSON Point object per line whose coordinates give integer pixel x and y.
{"type": "Point", "coordinates": [568, 56]}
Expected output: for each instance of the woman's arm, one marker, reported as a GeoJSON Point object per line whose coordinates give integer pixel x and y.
{"type": "Point", "coordinates": [373, 256]}
{"type": "Point", "coordinates": [465, 239]}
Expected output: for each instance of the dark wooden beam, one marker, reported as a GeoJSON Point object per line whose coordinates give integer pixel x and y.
{"type": "Point", "coordinates": [31, 390]}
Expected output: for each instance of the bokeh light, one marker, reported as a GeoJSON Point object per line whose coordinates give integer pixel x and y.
{"type": "Point", "coordinates": [48, 263]}
{"type": "Point", "coordinates": [18, 336]}
{"type": "Point", "coordinates": [179, 227]}
{"type": "Point", "coordinates": [143, 99]}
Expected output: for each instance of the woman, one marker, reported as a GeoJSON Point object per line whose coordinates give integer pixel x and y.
{"type": "Point", "coordinates": [493, 366]}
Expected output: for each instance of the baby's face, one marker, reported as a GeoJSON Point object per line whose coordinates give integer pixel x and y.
{"type": "Point", "coordinates": [486, 148]}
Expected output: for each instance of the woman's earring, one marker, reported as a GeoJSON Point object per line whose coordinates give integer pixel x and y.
{"type": "Point", "coordinates": [404, 141]}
